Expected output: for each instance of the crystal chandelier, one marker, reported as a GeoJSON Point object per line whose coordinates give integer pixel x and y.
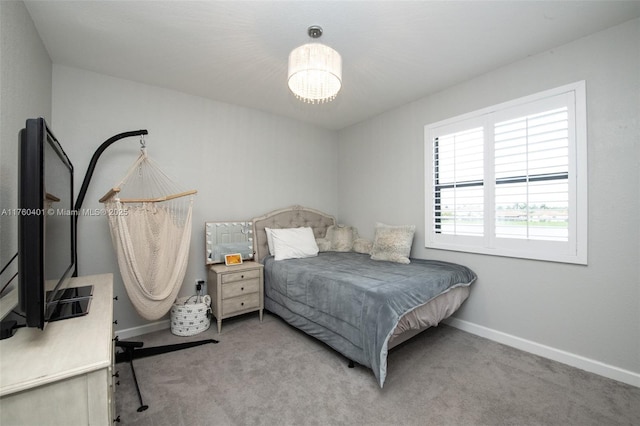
{"type": "Point", "coordinates": [315, 71]}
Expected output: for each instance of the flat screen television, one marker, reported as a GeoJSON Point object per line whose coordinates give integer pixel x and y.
{"type": "Point", "coordinates": [46, 228]}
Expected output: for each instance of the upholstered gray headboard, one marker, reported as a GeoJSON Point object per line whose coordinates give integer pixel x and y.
{"type": "Point", "coordinates": [290, 217]}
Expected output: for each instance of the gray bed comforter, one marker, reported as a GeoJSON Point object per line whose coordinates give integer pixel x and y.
{"type": "Point", "coordinates": [356, 298]}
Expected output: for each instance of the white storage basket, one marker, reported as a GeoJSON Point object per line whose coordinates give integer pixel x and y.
{"type": "Point", "coordinates": [190, 315]}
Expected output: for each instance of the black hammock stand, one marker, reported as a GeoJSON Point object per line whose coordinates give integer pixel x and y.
{"type": "Point", "coordinates": [130, 349]}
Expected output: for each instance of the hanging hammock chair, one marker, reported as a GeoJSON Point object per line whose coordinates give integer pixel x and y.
{"type": "Point", "coordinates": [150, 222]}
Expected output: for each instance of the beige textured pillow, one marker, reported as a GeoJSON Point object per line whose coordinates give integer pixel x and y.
{"type": "Point", "coordinates": [342, 238]}
{"type": "Point", "coordinates": [392, 243]}
{"type": "Point", "coordinates": [324, 244]}
{"type": "Point", "coordinates": [338, 238]}
{"type": "Point", "coordinates": [362, 245]}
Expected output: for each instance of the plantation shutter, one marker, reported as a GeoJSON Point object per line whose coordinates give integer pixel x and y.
{"type": "Point", "coordinates": [459, 178]}
{"type": "Point", "coordinates": [531, 167]}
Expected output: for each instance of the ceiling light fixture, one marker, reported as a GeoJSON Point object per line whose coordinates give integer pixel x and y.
{"type": "Point", "coordinates": [315, 71]}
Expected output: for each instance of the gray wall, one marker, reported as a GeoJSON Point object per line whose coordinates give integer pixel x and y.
{"type": "Point", "coordinates": [243, 162]}
{"type": "Point", "coordinates": [25, 92]}
{"type": "Point", "coordinates": [591, 312]}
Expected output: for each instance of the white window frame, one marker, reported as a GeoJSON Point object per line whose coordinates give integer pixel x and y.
{"type": "Point", "coordinates": [574, 250]}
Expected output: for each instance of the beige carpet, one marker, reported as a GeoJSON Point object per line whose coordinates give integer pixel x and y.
{"type": "Point", "coordinates": [271, 374]}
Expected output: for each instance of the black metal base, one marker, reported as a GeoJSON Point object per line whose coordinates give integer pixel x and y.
{"type": "Point", "coordinates": [133, 350]}
{"type": "Point", "coordinates": [7, 328]}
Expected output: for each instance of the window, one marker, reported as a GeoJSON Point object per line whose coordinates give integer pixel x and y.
{"type": "Point", "coordinates": [511, 179]}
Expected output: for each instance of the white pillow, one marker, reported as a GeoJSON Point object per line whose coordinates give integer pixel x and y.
{"type": "Point", "coordinates": [272, 251]}
{"type": "Point", "coordinates": [294, 243]}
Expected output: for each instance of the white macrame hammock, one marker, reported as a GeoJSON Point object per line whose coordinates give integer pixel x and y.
{"type": "Point", "coordinates": [150, 221]}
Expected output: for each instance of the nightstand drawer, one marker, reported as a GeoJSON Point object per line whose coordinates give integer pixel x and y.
{"type": "Point", "coordinates": [239, 288]}
{"type": "Point", "coordinates": [240, 303]}
{"type": "Point", "coordinates": [239, 276]}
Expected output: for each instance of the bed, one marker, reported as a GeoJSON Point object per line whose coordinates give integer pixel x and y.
{"type": "Point", "coordinates": [358, 306]}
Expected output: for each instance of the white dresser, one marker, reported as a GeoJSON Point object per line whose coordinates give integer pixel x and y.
{"type": "Point", "coordinates": [62, 375]}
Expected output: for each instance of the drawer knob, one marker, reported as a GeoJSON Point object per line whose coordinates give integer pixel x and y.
{"type": "Point", "coordinates": [241, 276]}
{"type": "Point", "coordinates": [241, 288]}
{"type": "Point", "coordinates": [242, 304]}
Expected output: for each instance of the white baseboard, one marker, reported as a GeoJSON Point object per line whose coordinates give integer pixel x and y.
{"type": "Point", "coordinates": [564, 357]}
{"type": "Point", "coordinates": [143, 329]}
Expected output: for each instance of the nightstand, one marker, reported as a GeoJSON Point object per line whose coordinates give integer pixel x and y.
{"type": "Point", "coordinates": [236, 290]}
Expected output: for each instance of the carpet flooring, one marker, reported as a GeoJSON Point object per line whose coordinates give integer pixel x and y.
{"type": "Point", "coordinates": [272, 374]}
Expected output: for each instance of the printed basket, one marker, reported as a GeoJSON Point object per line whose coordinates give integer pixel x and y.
{"type": "Point", "coordinates": [190, 315]}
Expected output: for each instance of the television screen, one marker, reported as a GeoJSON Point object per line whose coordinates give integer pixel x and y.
{"type": "Point", "coordinates": [46, 224]}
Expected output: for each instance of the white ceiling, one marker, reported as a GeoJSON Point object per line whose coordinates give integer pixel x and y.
{"type": "Point", "coordinates": [393, 52]}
